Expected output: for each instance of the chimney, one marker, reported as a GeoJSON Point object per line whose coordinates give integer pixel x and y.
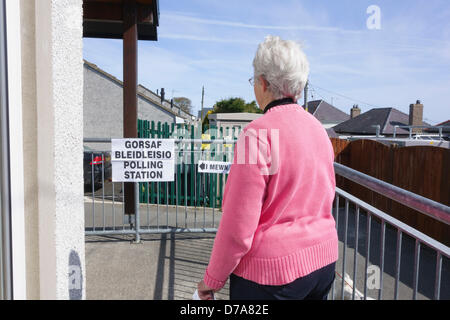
{"type": "Point", "coordinates": [162, 95]}
{"type": "Point", "coordinates": [416, 116]}
{"type": "Point", "coordinates": [355, 111]}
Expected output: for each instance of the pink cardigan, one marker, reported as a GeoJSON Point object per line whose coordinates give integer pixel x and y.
{"type": "Point", "coordinates": [277, 224]}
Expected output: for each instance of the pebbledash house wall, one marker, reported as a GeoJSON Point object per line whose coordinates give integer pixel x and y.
{"type": "Point", "coordinates": [52, 106]}
{"type": "Point", "coordinates": [103, 107]}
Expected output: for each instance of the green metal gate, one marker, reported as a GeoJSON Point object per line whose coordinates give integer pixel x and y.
{"type": "Point", "coordinates": [189, 187]}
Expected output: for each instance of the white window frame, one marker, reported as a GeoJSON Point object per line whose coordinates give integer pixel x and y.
{"type": "Point", "coordinates": [16, 148]}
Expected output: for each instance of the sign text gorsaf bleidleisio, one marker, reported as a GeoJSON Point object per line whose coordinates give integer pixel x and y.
{"type": "Point", "coordinates": [142, 160]}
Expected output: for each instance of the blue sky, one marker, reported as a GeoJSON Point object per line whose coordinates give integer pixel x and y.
{"type": "Point", "coordinates": [212, 43]}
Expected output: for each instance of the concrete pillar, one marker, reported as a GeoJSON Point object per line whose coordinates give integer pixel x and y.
{"type": "Point", "coordinates": [59, 105]}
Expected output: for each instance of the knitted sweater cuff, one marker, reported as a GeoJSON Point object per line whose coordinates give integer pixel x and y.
{"type": "Point", "coordinates": [211, 282]}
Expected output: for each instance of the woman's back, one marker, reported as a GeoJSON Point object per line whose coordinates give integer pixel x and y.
{"type": "Point", "coordinates": [276, 227]}
{"type": "Point", "coordinates": [296, 210]}
{"type": "Point", "coordinates": [304, 182]}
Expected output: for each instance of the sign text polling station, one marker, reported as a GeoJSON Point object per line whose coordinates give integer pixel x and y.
{"type": "Point", "coordinates": [142, 160]}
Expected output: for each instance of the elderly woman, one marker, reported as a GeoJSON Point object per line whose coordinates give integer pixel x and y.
{"type": "Point", "coordinates": [277, 238]}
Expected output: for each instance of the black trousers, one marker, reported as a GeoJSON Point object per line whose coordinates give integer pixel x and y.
{"type": "Point", "coordinates": [314, 286]}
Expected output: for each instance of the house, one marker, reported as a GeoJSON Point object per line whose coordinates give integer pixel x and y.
{"type": "Point", "coordinates": [327, 114]}
{"type": "Point", "coordinates": [159, 98]}
{"type": "Point", "coordinates": [445, 124]}
{"type": "Point", "coordinates": [445, 131]}
{"type": "Point", "coordinates": [103, 101]}
{"type": "Point", "coordinates": [382, 121]}
{"type": "Point", "coordinates": [230, 121]}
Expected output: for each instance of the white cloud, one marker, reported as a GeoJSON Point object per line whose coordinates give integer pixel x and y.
{"type": "Point", "coordinates": [234, 24]}
{"type": "Point", "coordinates": [204, 38]}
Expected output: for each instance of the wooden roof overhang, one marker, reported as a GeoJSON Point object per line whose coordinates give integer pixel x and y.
{"type": "Point", "coordinates": [105, 19]}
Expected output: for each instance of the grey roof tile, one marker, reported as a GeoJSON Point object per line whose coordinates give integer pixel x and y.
{"type": "Point", "coordinates": [325, 112]}
{"type": "Point", "coordinates": [365, 123]}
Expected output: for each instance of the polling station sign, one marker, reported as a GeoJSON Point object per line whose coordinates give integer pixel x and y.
{"type": "Point", "coordinates": [142, 160]}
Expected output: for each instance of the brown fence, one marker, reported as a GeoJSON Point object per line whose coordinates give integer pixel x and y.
{"type": "Point", "coordinates": [423, 170]}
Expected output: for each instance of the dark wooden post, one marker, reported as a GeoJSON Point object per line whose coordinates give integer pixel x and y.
{"type": "Point", "coordinates": [130, 43]}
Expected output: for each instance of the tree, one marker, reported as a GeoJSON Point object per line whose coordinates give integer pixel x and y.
{"type": "Point", "coordinates": [234, 105]}
{"type": "Point", "coordinates": [184, 103]}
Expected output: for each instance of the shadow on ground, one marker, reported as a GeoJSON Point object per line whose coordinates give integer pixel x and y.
{"type": "Point", "coordinates": [162, 267]}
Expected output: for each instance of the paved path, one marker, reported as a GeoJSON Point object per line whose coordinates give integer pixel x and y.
{"type": "Point", "coordinates": [166, 266]}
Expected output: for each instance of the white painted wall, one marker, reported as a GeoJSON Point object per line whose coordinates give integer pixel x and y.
{"type": "Point", "coordinates": [59, 84]}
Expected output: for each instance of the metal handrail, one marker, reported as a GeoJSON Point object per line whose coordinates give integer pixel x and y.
{"type": "Point", "coordinates": [378, 127]}
{"type": "Point", "coordinates": [432, 243]}
{"type": "Point", "coordinates": [429, 207]}
{"type": "Point", "coordinates": [420, 239]}
{"type": "Point", "coordinates": [420, 127]}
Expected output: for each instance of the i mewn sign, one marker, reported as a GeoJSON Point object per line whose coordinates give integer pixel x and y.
{"type": "Point", "coordinates": [214, 166]}
{"type": "Point", "coordinates": [142, 160]}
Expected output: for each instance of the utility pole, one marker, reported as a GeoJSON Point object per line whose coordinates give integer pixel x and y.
{"type": "Point", "coordinates": [305, 94]}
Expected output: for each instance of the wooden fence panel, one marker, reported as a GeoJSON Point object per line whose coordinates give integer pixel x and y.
{"type": "Point", "coordinates": [375, 163]}
{"type": "Point", "coordinates": [423, 170]}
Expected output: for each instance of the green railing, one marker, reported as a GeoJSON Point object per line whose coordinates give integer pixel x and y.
{"type": "Point", "coordinates": [189, 188]}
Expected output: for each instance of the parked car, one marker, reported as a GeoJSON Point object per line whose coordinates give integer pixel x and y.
{"type": "Point", "coordinates": [94, 162]}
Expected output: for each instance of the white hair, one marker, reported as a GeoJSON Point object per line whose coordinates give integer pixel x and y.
{"type": "Point", "coordinates": [284, 65]}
